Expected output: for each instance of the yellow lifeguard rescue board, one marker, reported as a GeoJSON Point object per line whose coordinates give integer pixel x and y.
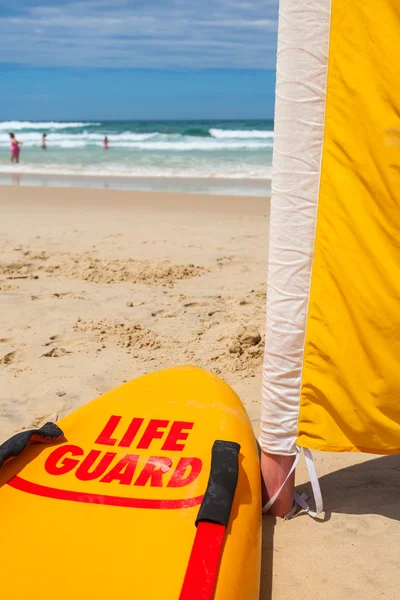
{"type": "Point", "coordinates": [110, 510]}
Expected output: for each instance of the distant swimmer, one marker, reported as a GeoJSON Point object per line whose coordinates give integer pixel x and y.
{"type": "Point", "coordinates": [44, 136]}
{"type": "Point", "coordinates": [15, 148]}
{"type": "Point", "coordinates": [105, 143]}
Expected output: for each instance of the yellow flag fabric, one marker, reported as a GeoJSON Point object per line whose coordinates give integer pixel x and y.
{"type": "Point", "coordinates": [350, 397]}
{"type": "Point", "coordinates": [341, 387]}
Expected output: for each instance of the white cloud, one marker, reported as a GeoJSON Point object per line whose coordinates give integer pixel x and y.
{"type": "Point", "coordinates": [140, 33]}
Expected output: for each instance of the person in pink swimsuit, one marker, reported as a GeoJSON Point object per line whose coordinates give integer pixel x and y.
{"type": "Point", "coordinates": [15, 150]}
{"type": "Point", "coordinates": [105, 143]}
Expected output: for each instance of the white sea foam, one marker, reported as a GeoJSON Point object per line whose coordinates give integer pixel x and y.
{"type": "Point", "coordinates": [17, 125]}
{"type": "Point", "coordinates": [117, 170]}
{"type": "Point", "coordinates": [202, 144]}
{"type": "Point", "coordinates": [138, 141]}
{"type": "Point", "coordinates": [247, 134]}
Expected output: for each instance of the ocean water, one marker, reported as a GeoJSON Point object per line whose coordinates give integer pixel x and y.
{"type": "Point", "coordinates": [210, 156]}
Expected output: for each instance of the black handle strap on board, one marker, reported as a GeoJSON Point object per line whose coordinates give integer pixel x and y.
{"type": "Point", "coordinates": [11, 448]}
{"type": "Point", "coordinates": [217, 501]}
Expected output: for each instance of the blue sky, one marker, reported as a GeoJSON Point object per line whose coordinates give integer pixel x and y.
{"type": "Point", "coordinates": [137, 59]}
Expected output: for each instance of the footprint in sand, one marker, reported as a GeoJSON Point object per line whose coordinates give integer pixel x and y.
{"type": "Point", "coordinates": [9, 358]}
{"type": "Point", "coordinates": [124, 335]}
{"type": "Point", "coordinates": [56, 338]}
{"type": "Point", "coordinates": [217, 310]}
{"type": "Point", "coordinates": [191, 304]}
{"type": "Point", "coordinates": [60, 345]}
{"type": "Point", "coordinates": [163, 313]}
{"type": "Point", "coordinates": [225, 261]}
{"type": "Point", "coordinates": [56, 353]}
{"type": "Point", "coordinates": [66, 295]}
{"type": "Point", "coordinates": [62, 339]}
{"type": "Point", "coordinates": [158, 313]}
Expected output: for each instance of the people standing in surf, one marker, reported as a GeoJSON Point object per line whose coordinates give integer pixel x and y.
{"type": "Point", "coordinates": [15, 148]}
{"type": "Point", "coordinates": [44, 136]}
{"type": "Point", "coordinates": [105, 143]}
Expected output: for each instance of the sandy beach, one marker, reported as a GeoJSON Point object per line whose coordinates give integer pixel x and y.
{"type": "Point", "coordinates": [98, 287]}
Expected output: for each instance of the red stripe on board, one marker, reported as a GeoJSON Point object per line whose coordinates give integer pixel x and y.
{"type": "Point", "coordinates": [48, 492]}
{"type": "Point", "coordinates": [202, 569]}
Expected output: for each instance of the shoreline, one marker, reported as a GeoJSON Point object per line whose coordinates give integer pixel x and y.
{"type": "Point", "coordinates": [185, 185]}
{"type": "Point", "coordinates": [159, 204]}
